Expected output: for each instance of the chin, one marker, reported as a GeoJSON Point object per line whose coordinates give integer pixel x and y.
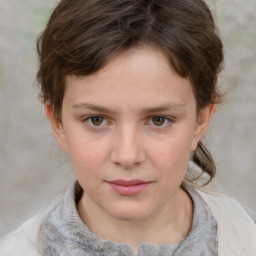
{"type": "Point", "coordinates": [127, 213]}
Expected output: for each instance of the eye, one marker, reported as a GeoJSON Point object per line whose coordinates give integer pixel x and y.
{"type": "Point", "coordinates": [96, 120]}
{"type": "Point", "coordinates": [159, 120]}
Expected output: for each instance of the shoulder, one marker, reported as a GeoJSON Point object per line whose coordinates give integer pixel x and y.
{"type": "Point", "coordinates": [221, 203]}
{"type": "Point", "coordinates": [250, 212]}
{"type": "Point", "coordinates": [27, 239]}
{"type": "Point", "coordinates": [236, 227]}
{"type": "Point", "coordinates": [213, 194]}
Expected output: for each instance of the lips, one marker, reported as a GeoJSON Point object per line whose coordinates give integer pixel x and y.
{"type": "Point", "coordinates": [129, 187]}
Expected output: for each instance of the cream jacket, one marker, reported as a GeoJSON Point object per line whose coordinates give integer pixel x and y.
{"type": "Point", "coordinates": [236, 230]}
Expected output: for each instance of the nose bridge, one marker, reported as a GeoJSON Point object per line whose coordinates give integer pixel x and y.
{"type": "Point", "coordinates": [128, 151]}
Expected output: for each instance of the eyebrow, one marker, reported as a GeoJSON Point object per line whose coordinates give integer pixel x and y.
{"type": "Point", "coordinates": [164, 107]}
{"type": "Point", "coordinates": [92, 107]}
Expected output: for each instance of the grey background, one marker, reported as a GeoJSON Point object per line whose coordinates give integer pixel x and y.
{"type": "Point", "coordinates": [32, 168]}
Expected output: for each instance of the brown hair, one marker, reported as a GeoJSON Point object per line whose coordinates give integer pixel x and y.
{"type": "Point", "coordinates": [82, 35]}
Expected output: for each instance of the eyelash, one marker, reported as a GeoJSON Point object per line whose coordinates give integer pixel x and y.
{"type": "Point", "coordinates": [88, 119]}
{"type": "Point", "coordinates": [167, 120]}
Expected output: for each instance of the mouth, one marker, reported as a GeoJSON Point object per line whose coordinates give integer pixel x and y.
{"type": "Point", "coordinates": [129, 187]}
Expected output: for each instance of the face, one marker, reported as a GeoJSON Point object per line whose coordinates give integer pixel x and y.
{"type": "Point", "coordinates": [129, 130]}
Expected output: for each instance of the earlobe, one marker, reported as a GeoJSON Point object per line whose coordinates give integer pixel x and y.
{"type": "Point", "coordinates": [202, 124]}
{"type": "Point", "coordinates": [57, 127]}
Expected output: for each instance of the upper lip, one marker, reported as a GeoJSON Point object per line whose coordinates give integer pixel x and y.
{"type": "Point", "coordinates": [128, 182]}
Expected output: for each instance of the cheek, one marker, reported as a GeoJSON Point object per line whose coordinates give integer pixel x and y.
{"type": "Point", "coordinates": [171, 157]}
{"type": "Point", "coordinates": [86, 158]}
{"type": "Point", "coordinates": [85, 155]}
{"type": "Point", "coordinates": [87, 167]}
{"type": "Point", "coordinates": [172, 148]}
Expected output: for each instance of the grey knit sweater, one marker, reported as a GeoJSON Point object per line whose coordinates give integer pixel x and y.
{"type": "Point", "coordinates": [65, 234]}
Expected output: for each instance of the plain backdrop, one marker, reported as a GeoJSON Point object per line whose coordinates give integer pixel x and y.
{"type": "Point", "coordinates": [32, 168]}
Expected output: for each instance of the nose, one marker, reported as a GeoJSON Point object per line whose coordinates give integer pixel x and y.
{"type": "Point", "coordinates": [128, 148]}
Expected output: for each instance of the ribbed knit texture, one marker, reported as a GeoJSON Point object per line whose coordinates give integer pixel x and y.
{"type": "Point", "coordinates": [65, 234]}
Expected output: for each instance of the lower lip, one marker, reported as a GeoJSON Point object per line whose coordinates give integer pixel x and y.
{"type": "Point", "coordinates": [129, 190]}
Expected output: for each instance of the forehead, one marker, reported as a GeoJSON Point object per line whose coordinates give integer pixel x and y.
{"type": "Point", "coordinates": [137, 75]}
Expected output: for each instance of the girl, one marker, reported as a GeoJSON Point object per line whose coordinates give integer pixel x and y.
{"type": "Point", "coordinates": [129, 87]}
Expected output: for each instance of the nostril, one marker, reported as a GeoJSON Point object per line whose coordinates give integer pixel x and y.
{"type": "Point", "coordinates": [127, 150]}
{"type": "Point", "coordinates": [127, 164]}
{"type": "Point", "coordinates": [127, 161]}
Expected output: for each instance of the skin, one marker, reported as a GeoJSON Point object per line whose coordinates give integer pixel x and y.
{"type": "Point", "coordinates": [146, 127]}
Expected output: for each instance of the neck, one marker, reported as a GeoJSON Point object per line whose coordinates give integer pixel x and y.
{"type": "Point", "coordinates": [169, 225]}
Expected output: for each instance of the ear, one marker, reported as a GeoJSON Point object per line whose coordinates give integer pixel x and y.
{"type": "Point", "coordinates": [202, 124]}
{"type": "Point", "coordinates": [57, 127]}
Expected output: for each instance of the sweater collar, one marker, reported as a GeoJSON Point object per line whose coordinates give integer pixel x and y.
{"type": "Point", "coordinates": [64, 232]}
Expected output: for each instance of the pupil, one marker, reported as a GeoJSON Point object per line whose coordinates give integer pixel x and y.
{"type": "Point", "coordinates": [158, 120]}
{"type": "Point", "coordinates": [97, 120]}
